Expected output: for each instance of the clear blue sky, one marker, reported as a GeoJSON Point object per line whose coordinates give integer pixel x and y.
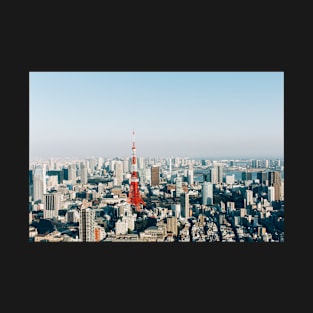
{"type": "Point", "coordinates": [186, 114]}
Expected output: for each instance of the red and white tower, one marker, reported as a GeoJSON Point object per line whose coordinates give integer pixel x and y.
{"type": "Point", "coordinates": [134, 196]}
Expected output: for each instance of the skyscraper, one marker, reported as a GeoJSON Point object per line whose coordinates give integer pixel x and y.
{"type": "Point", "coordinates": [30, 183]}
{"type": "Point", "coordinates": [274, 179]}
{"type": "Point", "coordinates": [39, 182]}
{"type": "Point", "coordinates": [155, 175]}
{"type": "Point", "coordinates": [179, 186]}
{"type": "Point", "coordinates": [271, 193]}
{"type": "Point", "coordinates": [255, 163]}
{"type": "Point", "coordinates": [207, 193]}
{"type": "Point", "coordinates": [87, 224]}
{"type": "Point", "coordinates": [246, 175]}
{"type": "Point", "coordinates": [126, 165]}
{"type": "Point", "coordinates": [262, 177]}
{"type": "Point", "coordinates": [118, 172]}
{"type": "Point", "coordinates": [249, 196]}
{"type": "Point", "coordinates": [141, 163]}
{"type": "Point", "coordinates": [83, 173]}
{"type": "Point", "coordinates": [220, 173]}
{"type": "Point", "coordinates": [211, 176]}
{"type": "Point", "coordinates": [52, 205]}
{"type": "Point", "coordinates": [170, 166]}
{"type": "Point", "coordinates": [190, 175]}
{"type": "Point", "coordinates": [184, 201]}
{"type": "Point", "coordinates": [72, 176]}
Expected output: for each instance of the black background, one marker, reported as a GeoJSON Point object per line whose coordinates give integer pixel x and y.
{"type": "Point", "coordinates": [145, 276]}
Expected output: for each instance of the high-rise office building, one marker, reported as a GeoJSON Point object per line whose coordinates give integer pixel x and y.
{"type": "Point", "coordinates": [52, 164]}
{"type": "Point", "coordinates": [30, 184]}
{"type": "Point", "coordinates": [274, 179]}
{"type": "Point", "coordinates": [249, 197]}
{"type": "Point", "coordinates": [190, 175]}
{"type": "Point", "coordinates": [93, 163]}
{"type": "Point", "coordinates": [126, 165]}
{"type": "Point", "coordinates": [207, 193]}
{"type": "Point", "coordinates": [118, 172]}
{"type": "Point", "coordinates": [220, 173]}
{"type": "Point", "coordinates": [65, 173]}
{"type": "Point", "coordinates": [179, 186]}
{"type": "Point", "coordinates": [177, 161]}
{"type": "Point", "coordinates": [262, 177]}
{"type": "Point", "coordinates": [246, 175]}
{"type": "Point", "coordinates": [271, 193]}
{"type": "Point", "coordinates": [52, 205]}
{"type": "Point", "coordinates": [112, 165]}
{"type": "Point", "coordinates": [141, 163]}
{"type": "Point", "coordinates": [266, 163]}
{"type": "Point", "coordinates": [170, 166]}
{"type": "Point", "coordinates": [155, 175]}
{"type": "Point", "coordinates": [147, 175]}
{"type": "Point", "coordinates": [184, 201]}
{"type": "Point", "coordinates": [142, 176]}
{"type": "Point", "coordinates": [72, 173]}
{"type": "Point", "coordinates": [87, 224]}
{"type": "Point", "coordinates": [211, 176]}
{"type": "Point", "coordinates": [83, 173]}
{"type": "Point", "coordinates": [39, 182]}
{"type": "Point", "coordinates": [255, 163]}
{"type": "Point", "coordinates": [99, 163]}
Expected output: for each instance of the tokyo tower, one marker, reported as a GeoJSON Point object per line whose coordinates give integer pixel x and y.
{"type": "Point", "coordinates": [134, 196]}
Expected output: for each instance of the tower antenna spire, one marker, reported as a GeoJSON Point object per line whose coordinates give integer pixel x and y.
{"type": "Point", "coordinates": [133, 135]}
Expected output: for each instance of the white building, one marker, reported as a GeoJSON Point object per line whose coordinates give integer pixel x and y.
{"type": "Point", "coordinates": [190, 176]}
{"type": "Point", "coordinates": [121, 227]}
{"type": "Point", "coordinates": [249, 197]}
{"type": "Point", "coordinates": [179, 185]}
{"type": "Point", "coordinates": [207, 193]}
{"type": "Point", "coordinates": [230, 179]}
{"type": "Point", "coordinates": [52, 204]}
{"type": "Point", "coordinates": [271, 193]}
{"type": "Point", "coordinates": [72, 173]}
{"type": "Point", "coordinates": [118, 170]}
{"type": "Point", "coordinates": [83, 173]}
{"type": "Point", "coordinates": [39, 182]}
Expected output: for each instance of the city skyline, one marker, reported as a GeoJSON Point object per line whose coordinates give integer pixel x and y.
{"type": "Point", "coordinates": [186, 114]}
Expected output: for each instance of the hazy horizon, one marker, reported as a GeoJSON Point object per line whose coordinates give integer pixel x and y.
{"type": "Point", "coordinates": [214, 115]}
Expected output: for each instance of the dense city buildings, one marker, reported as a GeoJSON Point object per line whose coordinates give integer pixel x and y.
{"type": "Point", "coordinates": [171, 199]}
{"type": "Point", "coordinates": [174, 199]}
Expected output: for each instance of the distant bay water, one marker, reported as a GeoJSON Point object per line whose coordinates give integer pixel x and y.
{"type": "Point", "coordinates": [198, 176]}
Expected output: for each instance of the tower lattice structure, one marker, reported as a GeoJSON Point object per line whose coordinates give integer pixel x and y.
{"type": "Point", "coordinates": [134, 197]}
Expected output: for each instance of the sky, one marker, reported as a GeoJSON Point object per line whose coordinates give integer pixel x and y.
{"type": "Point", "coordinates": [210, 115]}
